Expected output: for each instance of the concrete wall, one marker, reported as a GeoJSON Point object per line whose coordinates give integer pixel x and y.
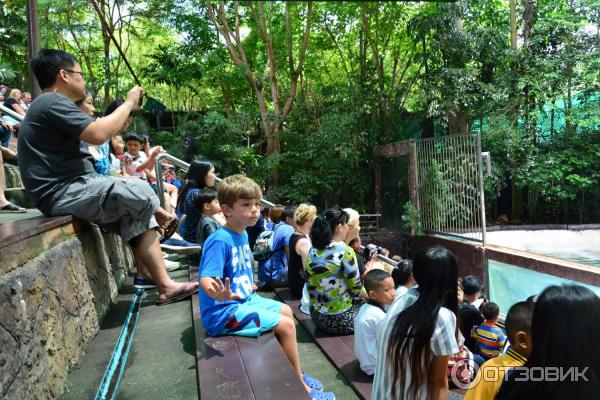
{"type": "Point", "coordinates": [472, 257]}
{"type": "Point", "coordinates": [53, 294]}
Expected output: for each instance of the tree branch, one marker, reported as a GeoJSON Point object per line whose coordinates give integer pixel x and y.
{"type": "Point", "coordinates": [294, 82]}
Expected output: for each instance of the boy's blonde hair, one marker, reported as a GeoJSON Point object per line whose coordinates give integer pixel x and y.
{"type": "Point", "coordinates": [304, 213]}
{"type": "Point", "coordinates": [237, 187]}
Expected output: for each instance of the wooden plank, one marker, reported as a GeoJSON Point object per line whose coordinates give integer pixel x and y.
{"type": "Point", "coordinates": [220, 370]}
{"type": "Point", "coordinates": [13, 232]}
{"type": "Point", "coordinates": [235, 367]}
{"type": "Point", "coordinates": [338, 349]}
{"type": "Point", "coordinates": [393, 150]}
{"type": "Point", "coordinates": [270, 372]}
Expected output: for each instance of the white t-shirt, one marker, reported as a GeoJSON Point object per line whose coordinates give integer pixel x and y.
{"type": "Point", "coordinates": [137, 160]}
{"type": "Point", "coordinates": [443, 343]}
{"type": "Point", "coordinates": [366, 327]}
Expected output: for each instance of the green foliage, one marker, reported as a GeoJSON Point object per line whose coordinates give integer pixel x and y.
{"type": "Point", "coordinates": [373, 72]}
{"type": "Point", "coordinates": [411, 219]}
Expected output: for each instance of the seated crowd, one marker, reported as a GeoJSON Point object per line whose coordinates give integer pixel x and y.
{"type": "Point", "coordinates": [417, 326]}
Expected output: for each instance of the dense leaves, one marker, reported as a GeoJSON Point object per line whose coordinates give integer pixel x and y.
{"type": "Point", "coordinates": [371, 73]}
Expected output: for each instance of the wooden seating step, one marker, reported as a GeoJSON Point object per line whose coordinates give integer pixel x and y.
{"type": "Point", "coordinates": [15, 231]}
{"type": "Point", "coordinates": [235, 367]}
{"type": "Point", "coordinates": [340, 351]}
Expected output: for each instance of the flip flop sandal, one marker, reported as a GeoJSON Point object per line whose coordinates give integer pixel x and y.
{"type": "Point", "coordinates": [312, 382]}
{"type": "Point", "coordinates": [178, 297]}
{"type": "Point", "coordinates": [11, 208]}
{"type": "Point", "coordinates": [171, 228]}
{"type": "Point", "coordinates": [316, 395]}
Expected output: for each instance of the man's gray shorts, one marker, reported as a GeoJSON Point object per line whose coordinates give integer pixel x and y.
{"type": "Point", "coordinates": [123, 206]}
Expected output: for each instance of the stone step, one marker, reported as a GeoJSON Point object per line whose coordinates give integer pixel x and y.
{"type": "Point", "coordinates": [18, 196]}
{"type": "Point", "coordinates": [12, 176]}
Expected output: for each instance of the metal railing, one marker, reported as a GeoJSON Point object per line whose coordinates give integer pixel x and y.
{"type": "Point", "coordinates": [158, 170]}
{"type": "Point", "coordinates": [369, 222]}
{"type": "Point", "coordinates": [450, 194]}
{"type": "Point", "coordinates": [12, 113]}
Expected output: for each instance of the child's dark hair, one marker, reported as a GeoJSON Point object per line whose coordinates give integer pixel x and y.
{"type": "Point", "coordinates": [288, 212]}
{"type": "Point", "coordinates": [265, 212]}
{"type": "Point", "coordinates": [490, 311]}
{"type": "Point", "coordinates": [195, 179]}
{"type": "Point", "coordinates": [564, 333]}
{"type": "Point", "coordinates": [353, 242]}
{"type": "Point", "coordinates": [88, 92]}
{"type": "Point", "coordinates": [471, 285]}
{"type": "Point", "coordinates": [518, 319]}
{"type": "Point", "coordinates": [276, 213]}
{"type": "Point", "coordinates": [374, 279]}
{"type": "Point", "coordinates": [324, 226]}
{"type": "Point", "coordinates": [48, 62]}
{"type": "Point", "coordinates": [203, 197]}
{"type": "Point", "coordinates": [402, 273]}
{"type": "Point", "coordinates": [135, 137]}
{"type": "Point", "coordinates": [435, 272]}
{"type": "Point", "coordinates": [113, 105]}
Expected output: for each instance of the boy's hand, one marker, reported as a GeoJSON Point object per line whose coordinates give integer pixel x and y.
{"type": "Point", "coordinates": [221, 292]}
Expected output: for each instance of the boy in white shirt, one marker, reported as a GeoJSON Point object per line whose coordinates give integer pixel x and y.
{"type": "Point", "coordinates": [381, 291]}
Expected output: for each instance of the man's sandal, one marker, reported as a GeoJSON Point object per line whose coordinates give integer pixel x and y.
{"type": "Point", "coordinates": [11, 208]}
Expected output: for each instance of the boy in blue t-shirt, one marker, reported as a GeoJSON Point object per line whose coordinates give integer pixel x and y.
{"type": "Point", "coordinates": [228, 302]}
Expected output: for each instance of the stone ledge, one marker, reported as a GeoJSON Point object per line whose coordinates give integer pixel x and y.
{"type": "Point", "coordinates": [60, 284]}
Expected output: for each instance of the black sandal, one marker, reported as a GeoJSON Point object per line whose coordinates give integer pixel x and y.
{"type": "Point", "coordinates": [11, 208]}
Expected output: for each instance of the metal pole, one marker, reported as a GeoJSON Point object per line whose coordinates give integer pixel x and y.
{"type": "Point", "coordinates": [184, 166]}
{"type": "Point", "coordinates": [33, 44]}
{"type": "Point", "coordinates": [481, 191]}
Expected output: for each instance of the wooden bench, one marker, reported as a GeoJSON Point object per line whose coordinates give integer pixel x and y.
{"type": "Point", "coordinates": [15, 231]}
{"type": "Point", "coordinates": [340, 351]}
{"type": "Point", "coordinates": [235, 367]}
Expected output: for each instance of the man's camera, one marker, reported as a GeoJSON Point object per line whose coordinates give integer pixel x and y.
{"type": "Point", "coordinates": [371, 250]}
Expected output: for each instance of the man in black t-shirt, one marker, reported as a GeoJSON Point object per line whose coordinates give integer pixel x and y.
{"type": "Point", "coordinates": [60, 177]}
{"type": "Point", "coordinates": [469, 312]}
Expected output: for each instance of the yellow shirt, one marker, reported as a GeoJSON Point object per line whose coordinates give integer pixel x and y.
{"type": "Point", "coordinates": [491, 375]}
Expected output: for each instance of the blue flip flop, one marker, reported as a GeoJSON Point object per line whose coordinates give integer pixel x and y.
{"type": "Point", "coordinates": [312, 382]}
{"type": "Point", "coordinates": [316, 395]}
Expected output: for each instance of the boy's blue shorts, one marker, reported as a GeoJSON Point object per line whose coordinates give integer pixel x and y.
{"type": "Point", "coordinates": [254, 317]}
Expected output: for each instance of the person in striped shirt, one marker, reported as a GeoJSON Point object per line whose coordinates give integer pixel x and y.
{"type": "Point", "coordinates": [490, 338]}
{"type": "Point", "coordinates": [518, 329]}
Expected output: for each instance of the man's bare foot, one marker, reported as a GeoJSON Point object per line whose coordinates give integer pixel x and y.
{"type": "Point", "coordinates": [177, 290]}
{"type": "Point", "coordinates": [163, 217]}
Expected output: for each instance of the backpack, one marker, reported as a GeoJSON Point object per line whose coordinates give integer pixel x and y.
{"type": "Point", "coordinates": [263, 248]}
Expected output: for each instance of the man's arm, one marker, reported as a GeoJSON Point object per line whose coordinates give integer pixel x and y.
{"type": "Point", "coordinates": [104, 128]}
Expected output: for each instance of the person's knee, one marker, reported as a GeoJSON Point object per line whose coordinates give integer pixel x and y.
{"type": "Point", "coordinates": [286, 326]}
{"type": "Point", "coordinates": [286, 310]}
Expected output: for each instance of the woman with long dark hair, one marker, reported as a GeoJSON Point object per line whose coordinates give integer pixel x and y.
{"type": "Point", "coordinates": [419, 332]}
{"type": "Point", "coordinates": [564, 337]}
{"type": "Point", "coordinates": [200, 175]}
{"type": "Point", "coordinates": [333, 279]}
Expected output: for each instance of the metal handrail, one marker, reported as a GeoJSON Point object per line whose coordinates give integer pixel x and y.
{"type": "Point", "coordinates": [158, 169]}
{"type": "Point", "coordinates": [12, 113]}
{"type": "Point", "coordinates": [383, 258]}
